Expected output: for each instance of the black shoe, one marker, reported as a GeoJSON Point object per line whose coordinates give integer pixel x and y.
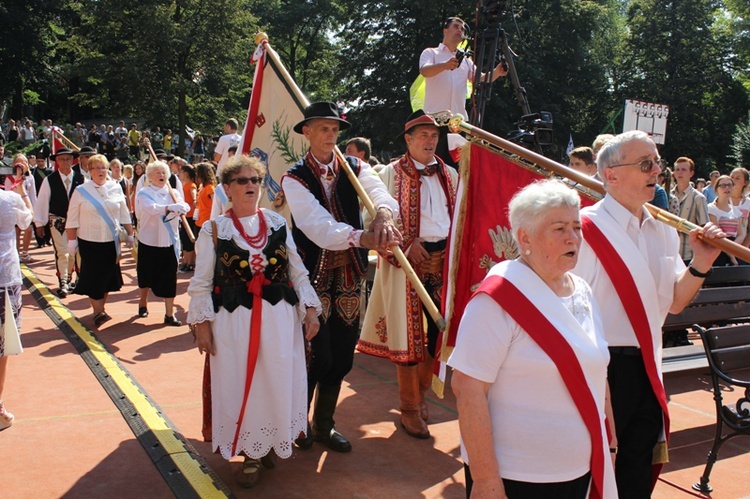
{"type": "Point", "coordinates": [72, 285]}
{"type": "Point", "coordinates": [142, 312]}
{"type": "Point", "coordinates": [101, 318]}
{"type": "Point", "coordinates": [269, 460]}
{"type": "Point", "coordinates": [333, 439]}
{"type": "Point", "coordinates": [172, 321]}
{"type": "Point", "coordinates": [305, 442]}
{"type": "Point", "coordinates": [681, 340]}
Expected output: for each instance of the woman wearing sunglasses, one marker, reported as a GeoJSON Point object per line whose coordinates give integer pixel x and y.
{"type": "Point", "coordinates": [727, 216]}
{"type": "Point", "coordinates": [158, 240]}
{"type": "Point", "coordinates": [250, 298]}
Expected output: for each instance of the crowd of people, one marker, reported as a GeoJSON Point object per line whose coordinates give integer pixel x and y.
{"type": "Point", "coordinates": [280, 300]}
{"type": "Point", "coordinates": [128, 144]}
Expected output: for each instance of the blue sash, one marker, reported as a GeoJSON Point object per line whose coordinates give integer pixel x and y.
{"type": "Point", "coordinates": [172, 234]}
{"type": "Point", "coordinates": [107, 219]}
{"type": "Point", "coordinates": [219, 191]}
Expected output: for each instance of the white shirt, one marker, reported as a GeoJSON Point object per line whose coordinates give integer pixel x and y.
{"type": "Point", "coordinates": [447, 89]}
{"type": "Point", "coordinates": [84, 216]}
{"type": "Point", "coordinates": [41, 208]}
{"type": "Point", "coordinates": [316, 221]}
{"type": "Point", "coordinates": [526, 387]}
{"type": "Point", "coordinates": [142, 183]}
{"type": "Point", "coordinates": [13, 212]}
{"type": "Point", "coordinates": [434, 219]}
{"type": "Point", "coordinates": [150, 205]}
{"type": "Point", "coordinates": [222, 147]}
{"type": "Point", "coordinates": [657, 243]}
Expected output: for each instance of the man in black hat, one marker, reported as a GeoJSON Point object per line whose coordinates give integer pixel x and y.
{"type": "Point", "coordinates": [83, 161]}
{"type": "Point", "coordinates": [329, 233]}
{"type": "Point", "coordinates": [394, 326]}
{"type": "Point", "coordinates": [52, 206]}
{"type": "Point", "coordinates": [38, 169]}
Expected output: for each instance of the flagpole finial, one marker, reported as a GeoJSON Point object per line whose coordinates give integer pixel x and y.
{"type": "Point", "coordinates": [260, 37]}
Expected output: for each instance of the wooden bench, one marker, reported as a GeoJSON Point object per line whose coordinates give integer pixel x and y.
{"type": "Point", "coordinates": [723, 299]}
{"type": "Point", "coordinates": [728, 351]}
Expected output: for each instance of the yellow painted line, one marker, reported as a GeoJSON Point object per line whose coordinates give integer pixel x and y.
{"type": "Point", "coordinates": [202, 483]}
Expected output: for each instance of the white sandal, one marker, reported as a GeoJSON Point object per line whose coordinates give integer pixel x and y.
{"type": "Point", "coordinates": [6, 418]}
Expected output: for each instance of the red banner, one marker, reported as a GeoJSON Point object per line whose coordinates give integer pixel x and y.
{"type": "Point", "coordinates": [480, 236]}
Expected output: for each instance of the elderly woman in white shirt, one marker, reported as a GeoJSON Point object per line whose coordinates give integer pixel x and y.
{"type": "Point", "coordinates": [97, 215]}
{"type": "Point", "coordinates": [158, 239]}
{"type": "Point", "coordinates": [530, 364]}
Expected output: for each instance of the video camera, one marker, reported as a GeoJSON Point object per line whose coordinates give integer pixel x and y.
{"type": "Point", "coordinates": [533, 130]}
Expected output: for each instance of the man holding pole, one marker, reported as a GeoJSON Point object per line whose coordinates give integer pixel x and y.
{"type": "Point", "coordinates": [328, 230]}
{"type": "Point", "coordinates": [633, 265]}
{"type": "Point", "coordinates": [394, 328]}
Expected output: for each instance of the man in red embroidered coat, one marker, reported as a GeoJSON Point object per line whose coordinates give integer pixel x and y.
{"type": "Point", "coordinates": [425, 189]}
{"type": "Point", "coordinates": [633, 265]}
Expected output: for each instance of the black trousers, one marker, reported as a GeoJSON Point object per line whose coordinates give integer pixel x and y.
{"type": "Point", "coordinates": [574, 489]}
{"type": "Point", "coordinates": [638, 422]}
{"type": "Point", "coordinates": [332, 351]}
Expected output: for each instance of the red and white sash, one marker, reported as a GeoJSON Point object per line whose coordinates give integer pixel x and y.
{"type": "Point", "coordinates": [644, 315]}
{"type": "Point", "coordinates": [559, 335]}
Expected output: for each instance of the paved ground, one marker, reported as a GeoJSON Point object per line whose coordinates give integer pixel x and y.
{"type": "Point", "coordinates": [71, 440]}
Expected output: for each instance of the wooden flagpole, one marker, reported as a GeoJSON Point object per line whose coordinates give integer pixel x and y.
{"type": "Point", "coordinates": [366, 201]}
{"type": "Point", "coordinates": [457, 123]}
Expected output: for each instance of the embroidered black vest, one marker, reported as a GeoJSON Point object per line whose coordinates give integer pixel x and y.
{"type": "Point", "coordinates": [58, 198]}
{"type": "Point", "coordinates": [344, 207]}
{"type": "Point", "coordinates": [233, 271]}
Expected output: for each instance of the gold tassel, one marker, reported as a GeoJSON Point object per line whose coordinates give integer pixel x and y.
{"type": "Point", "coordinates": [661, 453]}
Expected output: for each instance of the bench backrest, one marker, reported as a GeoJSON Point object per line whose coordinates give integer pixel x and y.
{"type": "Point", "coordinates": [727, 349]}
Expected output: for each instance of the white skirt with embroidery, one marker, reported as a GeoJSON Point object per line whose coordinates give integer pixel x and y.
{"type": "Point", "coordinates": [276, 409]}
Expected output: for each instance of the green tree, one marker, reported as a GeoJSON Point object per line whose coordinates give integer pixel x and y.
{"type": "Point", "coordinates": [168, 61]}
{"type": "Point", "coordinates": [741, 144]}
{"type": "Point", "coordinates": [303, 33]}
{"type": "Point", "coordinates": [31, 30]}
{"type": "Point", "coordinates": [677, 57]}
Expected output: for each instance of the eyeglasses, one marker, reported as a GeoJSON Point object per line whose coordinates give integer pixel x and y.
{"type": "Point", "coordinates": [100, 167]}
{"type": "Point", "coordinates": [723, 186]}
{"type": "Point", "coordinates": [646, 165]}
{"type": "Point", "coordinates": [245, 180]}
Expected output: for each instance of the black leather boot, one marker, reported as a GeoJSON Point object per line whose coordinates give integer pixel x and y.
{"type": "Point", "coordinates": [305, 442]}
{"type": "Point", "coordinates": [324, 428]}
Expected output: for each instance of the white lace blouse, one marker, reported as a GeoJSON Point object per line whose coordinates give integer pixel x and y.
{"type": "Point", "coordinates": [201, 304]}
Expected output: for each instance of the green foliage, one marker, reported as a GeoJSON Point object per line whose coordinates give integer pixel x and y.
{"type": "Point", "coordinates": [177, 62]}
{"type": "Point", "coordinates": [741, 144]}
{"type": "Point", "coordinates": [678, 56]}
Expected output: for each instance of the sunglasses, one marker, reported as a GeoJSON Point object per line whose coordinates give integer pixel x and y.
{"type": "Point", "coordinates": [722, 186]}
{"type": "Point", "coordinates": [245, 180]}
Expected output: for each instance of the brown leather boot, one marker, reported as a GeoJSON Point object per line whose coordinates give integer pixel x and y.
{"type": "Point", "coordinates": [425, 383]}
{"type": "Point", "coordinates": [408, 389]}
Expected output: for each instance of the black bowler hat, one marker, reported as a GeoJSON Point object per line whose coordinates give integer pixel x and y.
{"type": "Point", "coordinates": [63, 151]}
{"type": "Point", "coordinates": [322, 110]}
{"type": "Point", "coordinates": [87, 151]}
{"type": "Point", "coordinates": [417, 118]}
{"type": "Point", "coordinates": [160, 153]}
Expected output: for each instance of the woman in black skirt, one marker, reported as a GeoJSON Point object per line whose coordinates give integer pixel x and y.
{"type": "Point", "coordinates": [97, 214]}
{"type": "Point", "coordinates": [158, 239]}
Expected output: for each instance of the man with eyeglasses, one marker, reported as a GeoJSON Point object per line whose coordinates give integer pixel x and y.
{"type": "Point", "coordinates": [330, 236]}
{"type": "Point", "coordinates": [634, 268]}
